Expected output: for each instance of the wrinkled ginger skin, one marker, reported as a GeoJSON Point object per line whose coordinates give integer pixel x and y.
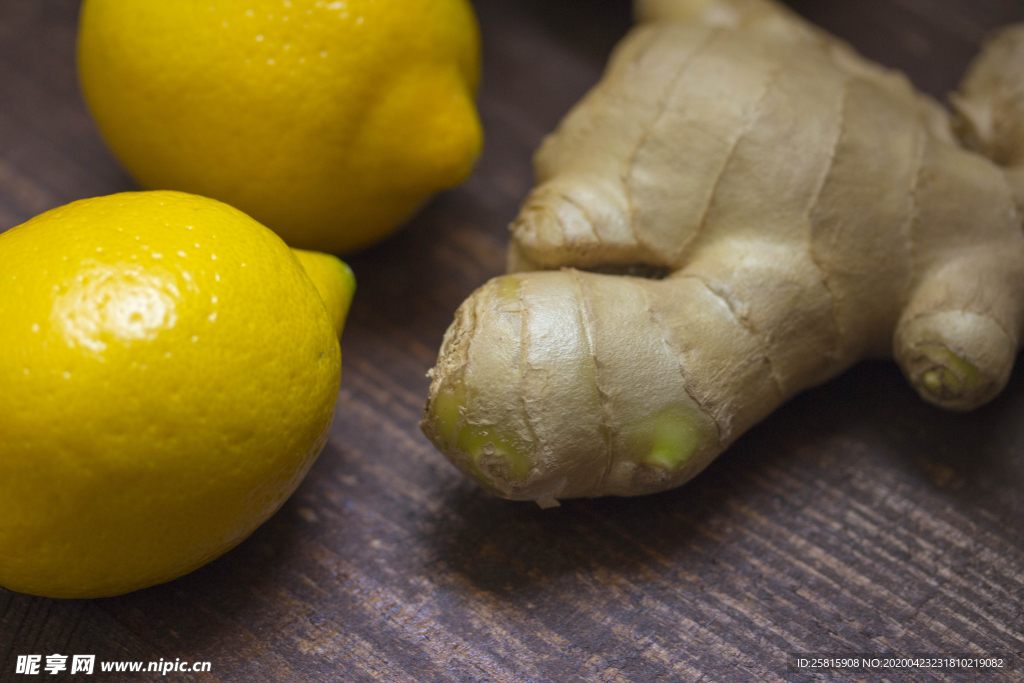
{"type": "Point", "coordinates": [990, 105]}
{"type": "Point", "coordinates": [811, 209]}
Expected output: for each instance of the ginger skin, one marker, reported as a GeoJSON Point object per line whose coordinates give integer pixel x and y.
{"type": "Point", "coordinates": [812, 210]}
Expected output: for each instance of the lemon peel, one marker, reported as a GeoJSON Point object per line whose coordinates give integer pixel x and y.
{"type": "Point", "coordinates": [329, 122]}
{"type": "Point", "coordinates": [169, 375]}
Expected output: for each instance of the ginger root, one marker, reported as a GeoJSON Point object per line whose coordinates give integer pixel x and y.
{"type": "Point", "coordinates": [806, 209]}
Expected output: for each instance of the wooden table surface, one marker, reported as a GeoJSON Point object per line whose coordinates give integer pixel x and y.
{"type": "Point", "coordinates": [854, 520]}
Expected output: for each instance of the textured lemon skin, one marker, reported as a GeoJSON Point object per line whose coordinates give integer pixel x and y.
{"type": "Point", "coordinates": [169, 375]}
{"type": "Point", "coordinates": [329, 122]}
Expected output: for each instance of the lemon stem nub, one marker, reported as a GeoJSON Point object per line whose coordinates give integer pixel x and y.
{"type": "Point", "coordinates": [334, 281]}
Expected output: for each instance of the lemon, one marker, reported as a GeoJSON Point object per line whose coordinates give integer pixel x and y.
{"type": "Point", "coordinates": [334, 281]}
{"type": "Point", "coordinates": [169, 375]}
{"type": "Point", "coordinates": [327, 121]}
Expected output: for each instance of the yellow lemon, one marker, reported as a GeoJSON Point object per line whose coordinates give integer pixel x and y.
{"type": "Point", "coordinates": [169, 374]}
{"type": "Point", "coordinates": [328, 121]}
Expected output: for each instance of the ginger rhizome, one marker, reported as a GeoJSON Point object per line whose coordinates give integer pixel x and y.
{"type": "Point", "coordinates": [741, 209]}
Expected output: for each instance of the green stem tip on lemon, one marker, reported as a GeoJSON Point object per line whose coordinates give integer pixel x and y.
{"type": "Point", "coordinates": [334, 280]}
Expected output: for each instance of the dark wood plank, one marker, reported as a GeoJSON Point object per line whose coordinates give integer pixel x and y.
{"type": "Point", "coordinates": [856, 519]}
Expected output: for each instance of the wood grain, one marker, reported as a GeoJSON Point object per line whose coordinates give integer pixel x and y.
{"type": "Point", "coordinates": [856, 519]}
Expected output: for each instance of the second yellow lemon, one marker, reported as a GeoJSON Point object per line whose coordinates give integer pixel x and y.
{"type": "Point", "coordinates": [168, 375]}
{"type": "Point", "coordinates": [327, 121]}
